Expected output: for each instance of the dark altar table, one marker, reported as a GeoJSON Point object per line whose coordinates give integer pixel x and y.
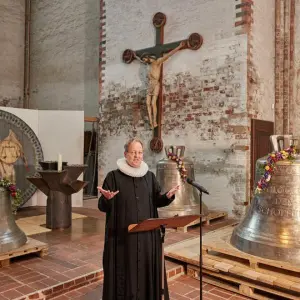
{"type": "Point", "coordinates": [58, 186]}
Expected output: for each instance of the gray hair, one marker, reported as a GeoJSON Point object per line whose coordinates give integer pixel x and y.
{"type": "Point", "coordinates": [132, 140]}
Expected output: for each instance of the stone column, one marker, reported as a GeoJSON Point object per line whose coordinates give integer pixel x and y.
{"type": "Point", "coordinates": [12, 24]}
{"type": "Point", "coordinates": [284, 67]}
{"type": "Point", "coordinates": [296, 71]}
{"type": "Point", "coordinates": [64, 55]}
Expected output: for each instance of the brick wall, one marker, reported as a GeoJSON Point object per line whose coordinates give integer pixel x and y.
{"type": "Point", "coordinates": [205, 92]}
{"type": "Point", "coordinates": [12, 24]}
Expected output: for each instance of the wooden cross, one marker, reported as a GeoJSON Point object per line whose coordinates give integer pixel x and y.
{"type": "Point", "coordinates": [193, 42]}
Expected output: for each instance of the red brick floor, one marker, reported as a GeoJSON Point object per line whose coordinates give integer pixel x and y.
{"type": "Point", "coordinates": [181, 288]}
{"type": "Point", "coordinates": [78, 251]}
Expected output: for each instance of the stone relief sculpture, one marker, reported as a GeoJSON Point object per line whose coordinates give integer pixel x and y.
{"type": "Point", "coordinates": [10, 151]}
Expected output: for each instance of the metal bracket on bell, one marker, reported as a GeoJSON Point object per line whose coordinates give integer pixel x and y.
{"type": "Point", "coordinates": [280, 142]}
{"type": "Point", "coordinates": [177, 150]}
{"type": "Point", "coordinates": [295, 141]}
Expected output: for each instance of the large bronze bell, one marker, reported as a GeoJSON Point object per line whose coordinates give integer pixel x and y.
{"type": "Point", "coordinates": [187, 200]}
{"type": "Point", "coordinates": [11, 236]}
{"type": "Point", "coordinates": [271, 227]}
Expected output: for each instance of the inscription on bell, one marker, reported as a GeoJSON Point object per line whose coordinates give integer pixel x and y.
{"type": "Point", "coordinates": [278, 212]}
{"type": "Point", "coordinates": [288, 169]}
{"type": "Point", "coordinates": [280, 189]}
{"type": "Point", "coordinates": [284, 202]}
{"type": "Point", "coordinates": [170, 179]}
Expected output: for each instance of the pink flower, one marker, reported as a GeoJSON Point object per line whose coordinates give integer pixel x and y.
{"type": "Point", "coordinates": [12, 188]}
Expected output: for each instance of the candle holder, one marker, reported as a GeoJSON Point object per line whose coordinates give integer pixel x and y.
{"type": "Point", "coordinates": [58, 186]}
{"type": "Point", "coordinates": [51, 165]}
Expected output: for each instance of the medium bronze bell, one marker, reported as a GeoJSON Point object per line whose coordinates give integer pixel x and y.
{"type": "Point", "coordinates": [187, 201]}
{"type": "Point", "coordinates": [271, 227]}
{"type": "Point", "coordinates": [11, 236]}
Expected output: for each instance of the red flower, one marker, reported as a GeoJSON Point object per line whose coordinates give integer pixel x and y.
{"type": "Point", "coordinates": [13, 194]}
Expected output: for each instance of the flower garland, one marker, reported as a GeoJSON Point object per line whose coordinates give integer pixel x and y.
{"type": "Point", "coordinates": [15, 193]}
{"type": "Point", "coordinates": [181, 168]}
{"type": "Point", "coordinates": [269, 166]}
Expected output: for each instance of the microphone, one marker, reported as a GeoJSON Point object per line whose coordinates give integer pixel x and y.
{"type": "Point", "coordinates": [197, 186]}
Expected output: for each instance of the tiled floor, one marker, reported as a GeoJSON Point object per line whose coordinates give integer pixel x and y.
{"type": "Point", "coordinates": [78, 251]}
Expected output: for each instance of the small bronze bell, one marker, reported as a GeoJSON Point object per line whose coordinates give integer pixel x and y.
{"type": "Point", "coordinates": [187, 201]}
{"type": "Point", "coordinates": [11, 236]}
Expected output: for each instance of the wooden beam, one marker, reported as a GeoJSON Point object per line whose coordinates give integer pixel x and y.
{"type": "Point", "coordinates": [91, 119]}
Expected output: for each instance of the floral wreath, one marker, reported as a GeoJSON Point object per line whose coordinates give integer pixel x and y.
{"type": "Point", "coordinates": [15, 193]}
{"type": "Point", "coordinates": [180, 165]}
{"type": "Point", "coordinates": [269, 166]}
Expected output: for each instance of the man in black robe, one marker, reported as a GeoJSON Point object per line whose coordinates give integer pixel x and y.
{"type": "Point", "coordinates": [132, 261]}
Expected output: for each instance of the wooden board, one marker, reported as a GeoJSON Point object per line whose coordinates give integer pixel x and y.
{"type": "Point", "coordinates": [187, 251]}
{"type": "Point", "coordinates": [236, 288]}
{"type": "Point", "coordinates": [212, 215]}
{"type": "Point", "coordinates": [32, 246]}
{"type": "Point", "coordinates": [193, 271]}
{"type": "Point", "coordinates": [91, 119]}
{"type": "Point", "coordinates": [246, 288]}
{"type": "Point", "coordinates": [219, 241]}
{"type": "Point", "coordinates": [251, 275]}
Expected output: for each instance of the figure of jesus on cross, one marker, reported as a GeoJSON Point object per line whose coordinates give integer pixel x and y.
{"type": "Point", "coordinates": [153, 80]}
{"type": "Point", "coordinates": [155, 57]}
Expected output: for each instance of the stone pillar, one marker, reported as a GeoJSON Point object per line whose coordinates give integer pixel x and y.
{"type": "Point", "coordinates": [12, 23]}
{"type": "Point", "coordinates": [296, 70]}
{"type": "Point", "coordinates": [64, 55]}
{"type": "Point", "coordinates": [284, 67]}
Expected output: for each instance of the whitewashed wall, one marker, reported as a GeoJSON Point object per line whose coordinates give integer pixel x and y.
{"type": "Point", "coordinates": [58, 132]}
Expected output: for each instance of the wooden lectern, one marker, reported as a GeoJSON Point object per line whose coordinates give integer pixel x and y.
{"type": "Point", "coordinates": [162, 224]}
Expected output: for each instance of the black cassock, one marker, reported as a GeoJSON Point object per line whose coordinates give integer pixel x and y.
{"type": "Point", "coordinates": [132, 261]}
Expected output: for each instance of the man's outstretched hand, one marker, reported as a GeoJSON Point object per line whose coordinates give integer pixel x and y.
{"type": "Point", "coordinates": [107, 194]}
{"type": "Point", "coordinates": [172, 191]}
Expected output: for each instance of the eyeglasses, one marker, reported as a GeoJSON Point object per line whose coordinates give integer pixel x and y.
{"type": "Point", "coordinates": [136, 153]}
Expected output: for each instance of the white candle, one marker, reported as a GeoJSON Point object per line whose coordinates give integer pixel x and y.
{"type": "Point", "coordinates": [59, 163]}
{"type": "Point", "coordinates": [179, 152]}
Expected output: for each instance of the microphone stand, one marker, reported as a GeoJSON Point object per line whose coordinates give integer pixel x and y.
{"type": "Point", "coordinates": [201, 191]}
{"type": "Point", "coordinates": [200, 272]}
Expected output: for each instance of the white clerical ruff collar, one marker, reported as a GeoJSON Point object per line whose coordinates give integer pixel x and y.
{"type": "Point", "coordinates": [125, 168]}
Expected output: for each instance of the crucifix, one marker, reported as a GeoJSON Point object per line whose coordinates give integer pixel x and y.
{"type": "Point", "coordinates": [155, 57]}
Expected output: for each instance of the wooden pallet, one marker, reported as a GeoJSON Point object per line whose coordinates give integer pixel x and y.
{"type": "Point", "coordinates": [241, 287]}
{"type": "Point", "coordinates": [32, 246]}
{"type": "Point", "coordinates": [212, 215]}
{"type": "Point", "coordinates": [249, 275]}
{"type": "Point", "coordinates": [193, 271]}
